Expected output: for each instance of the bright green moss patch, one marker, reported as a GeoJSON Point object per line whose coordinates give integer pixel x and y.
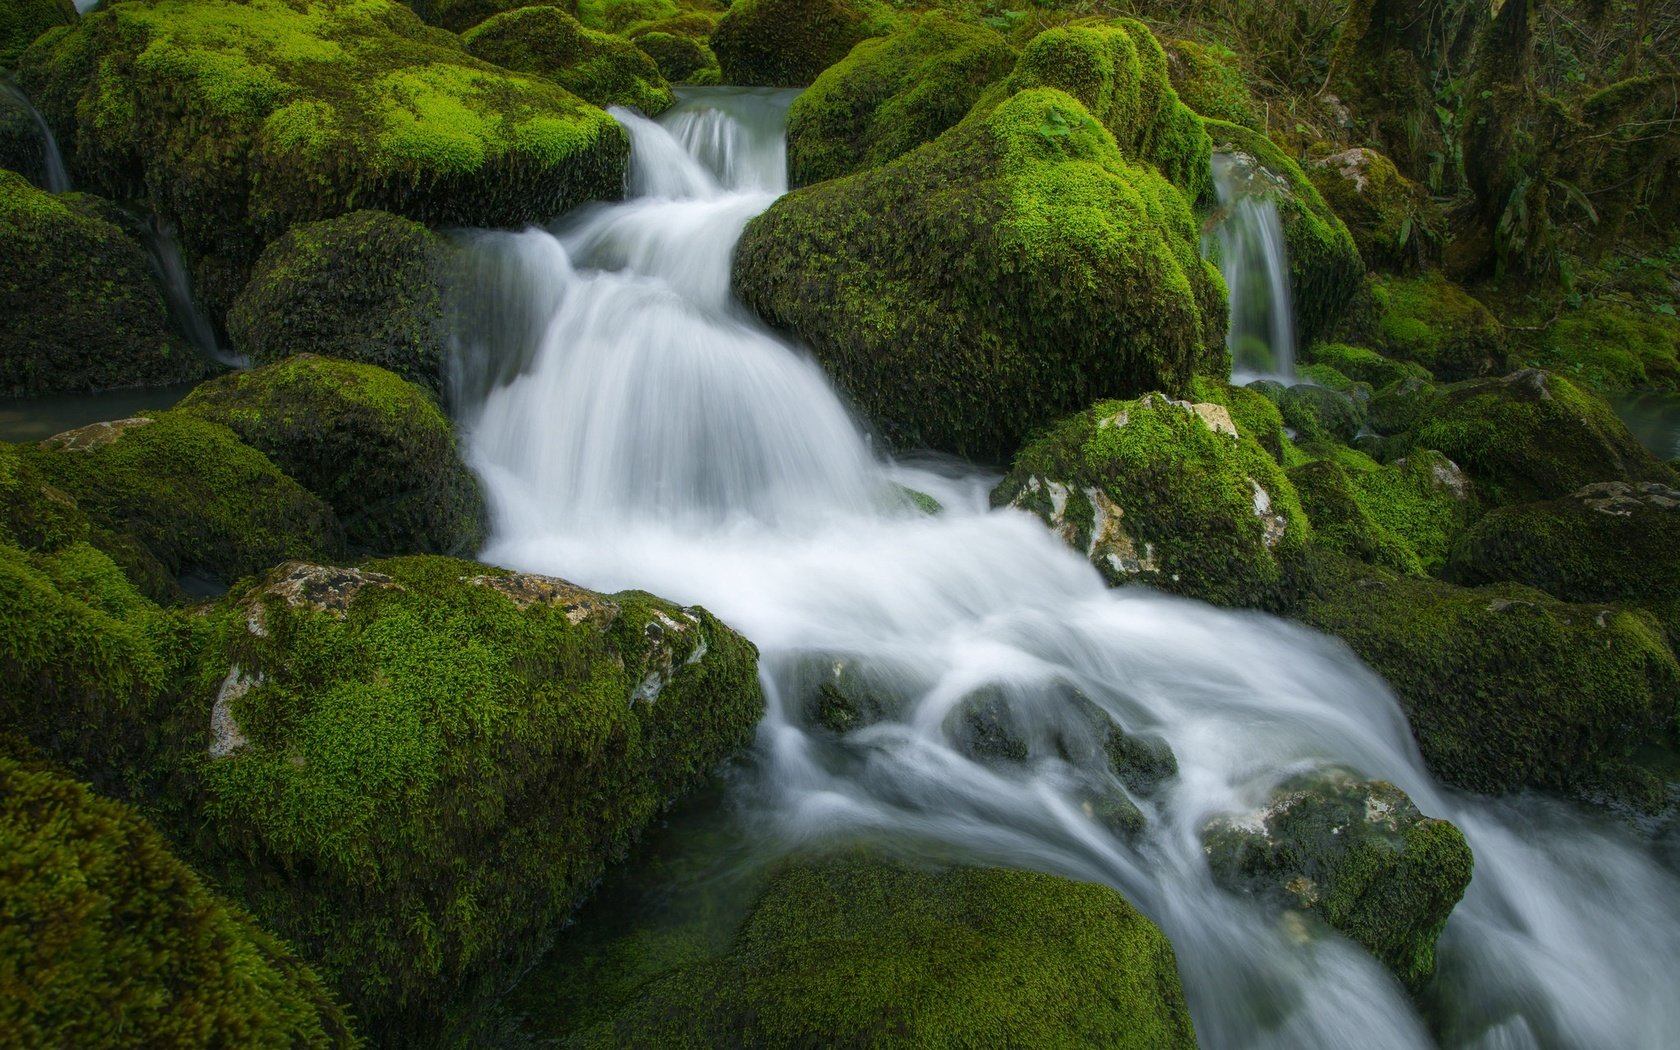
{"type": "Point", "coordinates": [1612, 346]}
{"type": "Point", "coordinates": [890, 95]}
{"type": "Point", "coordinates": [1362, 365]}
{"type": "Point", "coordinates": [1392, 219]}
{"type": "Point", "coordinates": [82, 311]}
{"type": "Point", "coordinates": [416, 769]}
{"type": "Point", "coordinates": [1163, 493]}
{"type": "Point", "coordinates": [21, 21]}
{"type": "Point", "coordinates": [109, 940]}
{"type": "Point", "coordinates": [1209, 79]}
{"type": "Point", "coordinates": [375, 448]}
{"type": "Point", "coordinates": [787, 43]}
{"type": "Point", "coordinates": [1015, 269]}
{"type": "Point", "coordinates": [1404, 515]}
{"type": "Point", "coordinates": [597, 67]}
{"type": "Point", "coordinates": [1435, 323]}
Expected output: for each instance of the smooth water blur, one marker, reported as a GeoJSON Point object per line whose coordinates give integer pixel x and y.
{"type": "Point", "coordinates": [55, 178]}
{"type": "Point", "coordinates": [1254, 260]}
{"type": "Point", "coordinates": [1654, 418]}
{"type": "Point", "coordinates": [635, 428]}
{"type": "Point", "coordinates": [34, 418]}
{"type": "Point", "coordinates": [189, 320]}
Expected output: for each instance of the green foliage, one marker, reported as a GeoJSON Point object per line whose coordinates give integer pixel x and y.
{"type": "Point", "coordinates": [1434, 323]}
{"type": "Point", "coordinates": [81, 309]}
{"type": "Point", "coordinates": [376, 449]}
{"type": "Point", "coordinates": [21, 21]}
{"type": "Point", "coordinates": [363, 287]}
{"type": "Point", "coordinates": [982, 285]}
{"type": "Point", "coordinates": [787, 43]}
{"type": "Point", "coordinates": [890, 95]}
{"type": "Point", "coordinates": [1393, 221]}
{"type": "Point", "coordinates": [597, 67]}
{"type": "Point", "coordinates": [109, 940]}
{"type": "Point", "coordinates": [1209, 79]}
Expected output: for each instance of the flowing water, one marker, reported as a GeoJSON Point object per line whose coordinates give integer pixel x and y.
{"type": "Point", "coordinates": [159, 238]}
{"type": "Point", "coordinates": [1253, 257]}
{"type": "Point", "coordinates": [636, 428]}
{"type": "Point", "coordinates": [54, 178]}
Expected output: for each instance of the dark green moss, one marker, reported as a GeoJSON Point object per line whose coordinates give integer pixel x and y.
{"type": "Point", "coordinates": [377, 450]}
{"type": "Point", "coordinates": [1392, 219]}
{"type": "Point", "coordinates": [1319, 412]}
{"type": "Point", "coordinates": [21, 21]}
{"type": "Point", "coordinates": [1612, 346]}
{"type": "Point", "coordinates": [363, 287]}
{"type": "Point", "coordinates": [1341, 522]}
{"type": "Point", "coordinates": [597, 67]}
{"type": "Point", "coordinates": [82, 311]}
{"type": "Point", "coordinates": [681, 59]}
{"type": "Point", "coordinates": [1209, 79]}
{"type": "Point", "coordinates": [458, 16]}
{"type": "Point", "coordinates": [1014, 269]}
{"type": "Point", "coordinates": [890, 95]}
{"type": "Point", "coordinates": [787, 43]}
{"type": "Point", "coordinates": [1435, 323]}
{"type": "Point", "coordinates": [1152, 492]}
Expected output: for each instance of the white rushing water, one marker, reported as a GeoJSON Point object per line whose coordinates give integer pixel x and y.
{"type": "Point", "coordinates": [636, 428]}
{"type": "Point", "coordinates": [1254, 260]}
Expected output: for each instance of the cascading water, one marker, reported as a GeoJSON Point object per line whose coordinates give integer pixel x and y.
{"type": "Point", "coordinates": [1254, 260]}
{"type": "Point", "coordinates": [54, 177]}
{"type": "Point", "coordinates": [636, 428]}
{"type": "Point", "coordinates": [159, 237]}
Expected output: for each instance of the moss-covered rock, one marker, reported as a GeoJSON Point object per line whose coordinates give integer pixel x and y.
{"type": "Point", "coordinates": [1324, 264]}
{"type": "Point", "coordinates": [21, 21]}
{"type": "Point", "coordinates": [1166, 493]}
{"type": "Point", "coordinates": [681, 59]}
{"type": "Point", "coordinates": [1015, 269]}
{"type": "Point", "coordinates": [861, 951]}
{"type": "Point", "coordinates": [1392, 219]}
{"type": "Point", "coordinates": [1504, 686]}
{"type": "Point", "coordinates": [416, 769]}
{"type": "Point", "coordinates": [458, 16]}
{"type": "Point", "coordinates": [237, 120]}
{"type": "Point", "coordinates": [21, 147]}
{"type": "Point", "coordinates": [188, 494]}
{"type": "Point", "coordinates": [1362, 365]}
{"type": "Point", "coordinates": [1209, 79]}
{"type": "Point", "coordinates": [1358, 855]}
{"type": "Point", "coordinates": [82, 309]}
{"type": "Point", "coordinates": [366, 287]}
{"type": "Point", "coordinates": [1611, 345]}
{"type": "Point", "coordinates": [890, 95]}
{"type": "Point", "coordinates": [110, 940]}
{"type": "Point", "coordinates": [375, 448]}
{"type": "Point", "coordinates": [1254, 414]}
{"type": "Point", "coordinates": [1317, 412]}
{"type": "Point", "coordinates": [1435, 323]}
{"type": "Point", "coordinates": [787, 43]}
{"type": "Point", "coordinates": [1404, 515]}
{"type": "Point", "coordinates": [597, 67]}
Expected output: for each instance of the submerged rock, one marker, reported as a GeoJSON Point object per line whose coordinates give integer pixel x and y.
{"type": "Point", "coordinates": [787, 43]}
{"type": "Point", "coordinates": [1358, 855]}
{"type": "Point", "coordinates": [597, 67]}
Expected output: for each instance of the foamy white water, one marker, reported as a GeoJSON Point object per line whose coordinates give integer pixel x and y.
{"type": "Point", "coordinates": [636, 428]}
{"type": "Point", "coordinates": [1254, 260]}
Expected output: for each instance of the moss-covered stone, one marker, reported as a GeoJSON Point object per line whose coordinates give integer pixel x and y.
{"type": "Point", "coordinates": [21, 21]}
{"type": "Point", "coordinates": [1358, 855]}
{"type": "Point", "coordinates": [1404, 515]}
{"type": "Point", "coordinates": [1209, 79]}
{"type": "Point", "coordinates": [376, 449]}
{"type": "Point", "coordinates": [681, 59]}
{"type": "Point", "coordinates": [1254, 414]}
{"type": "Point", "coordinates": [1015, 269]}
{"type": "Point", "coordinates": [1435, 323]}
{"type": "Point", "coordinates": [1362, 365]}
{"type": "Point", "coordinates": [363, 287]}
{"type": "Point", "coordinates": [1169, 494]}
{"type": "Point", "coordinates": [1610, 345]}
{"type": "Point", "coordinates": [597, 67]}
{"type": "Point", "coordinates": [1393, 221]}
{"type": "Point", "coordinates": [188, 494]}
{"type": "Point", "coordinates": [1320, 412]}
{"type": "Point", "coordinates": [237, 120]}
{"type": "Point", "coordinates": [416, 769]}
{"type": "Point", "coordinates": [82, 309]}
{"type": "Point", "coordinates": [1504, 686]}
{"type": "Point", "coordinates": [458, 16]}
{"type": "Point", "coordinates": [890, 95]}
{"type": "Point", "coordinates": [1324, 264]}
{"type": "Point", "coordinates": [109, 940]}
{"type": "Point", "coordinates": [861, 951]}
{"type": "Point", "coordinates": [787, 43]}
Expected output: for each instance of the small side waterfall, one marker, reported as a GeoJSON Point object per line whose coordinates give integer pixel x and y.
{"type": "Point", "coordinates": [51, 175]}
{"type": "Point", "coordinates": [159, 237]}
{"type": "Point", "coordinates": [1254, 260]}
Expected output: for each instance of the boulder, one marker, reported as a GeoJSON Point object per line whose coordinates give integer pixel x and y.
{"type": "Point", "coordinates": [374, 448]}
{"type": "Point", "coordinates": [21, 21]}
{"type": "Point", "coordinates": [1610, 344]}
{"type": "Point", "coordinates": [1209, 78]}
{"type": "Point", "coordinates": [787, 43]}
{"type": "Point", "coordinates": [458, 16]}
{"type": "Point", "coordinates": [1362, 365]}
{"type": "Point", "coordinates": [597, 67]}
{"type": "Point", "coordinates": [681, 59]}
{"type": "Point", "coordinates": [1013, 270]}
{"type": "Point", "coordinates": [1403, 515]}
{"type": "Point", "coordinates": [1434, 323]}
{"type": "Point", "coordinates": [1166, 493]}
{"type": "Point", "coordinates": [1393, 220]}
{"type": "Point", "coordinates": [1318, 412]}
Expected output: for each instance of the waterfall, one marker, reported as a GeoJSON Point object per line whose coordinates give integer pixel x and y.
{"type": "Point", "coordinates": [1254, 259]}
{"type": "Point", "coordinates": [159, 238]}
{"type": "Point", "coordinates": [54, 178]}
{"type": "Point", "coordinates": [636, 428]}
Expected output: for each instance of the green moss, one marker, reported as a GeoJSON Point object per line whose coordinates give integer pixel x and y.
{"type": "Point", "coordinates": [189, 494]}
{"type": "Point", "coordinates": [860, 951]}
{"type": "Point", "coordinates": [109, 940]}
{"type": "Point", "coordinates": [376, 449]}
{"type": "Point", "coordinates": [81, 306]}
{"type": "Point", "coordinates": [1358, 855]}
{"type": "Point", "coordinates": [428, 763]}
{"type": "Point", "coordinates": [1435, 323]}
{"type": "Point", "coordinates": [787, 43]}
{"type": "Point", "coordinates": [1341, 522]}
{"type": "Point", "coordinates": [1505, 687]}
{"type": "Point", "coordinates": [1392, 219]}
{"type": "Point", "coordinates": [1152, 493]}
{"type": "Point", "coordinates": [1613, 346]}
{"type": "Point", "coordinates": [1322, 413]}
{"type": "Point", "coordinates": [1014, 269]}
{"type": "Point", "coordinates": [597, 67]}
{"type": "Point", "coordinates": [1209, 79]}
{"type": "Point", "coordinates": [1254, 414]}
{"type": "Point", "coordinates": [458, 16]}
{"type": "Point", "coordinates": [1364, 366]}
{"type": "Point", "coordinates": [890, 95]}
{"type": "Point", "coordinates": [363, 287]}
{"type": "Point", "coordinates": [681, 59]}
{"type": "Point", "coordinates": [21, 21]}
{"type": "Point", "coordinates": [237, 120]}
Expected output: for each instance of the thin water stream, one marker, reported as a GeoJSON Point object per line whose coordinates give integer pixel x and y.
{"type": "Point", "coordinates": [1254, 260]}
{"type": "Point", "coordinates": [637, 428]}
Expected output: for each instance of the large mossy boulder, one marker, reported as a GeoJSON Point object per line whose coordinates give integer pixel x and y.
{"type": "Point", "coordinates": [597, 67]}
{"type": "Point", "coordinates": [1610, 344]}
{"type": "Point", "coordinates": [1015, 269]}
{"type": "Point", "coordinates": [1166, 493]}
{"type": "Point", "coordinates": [1393, 220]}
{"type": "Point", "coordinates": [366, 287]}
{"type": "Point", "coordinates": [1210, 79]}
{"type": "Point", "coordinates": [890, 95]}
{"type": "Point", "coordinates": [376, 449]}
{"type": "Point", "coordinates": [787, 43]}
{"type": "Point", "coordinates": [1325, 269]}
{"type": "Point", "coordinates": [1358, 855]}
{"type": "Point", "coordinates": [1431, 321]}
{"type": "Point", "coordinates": [458, 16]}
{"type": "Point", "coordinates": [110, 940]}
{"type": "Point", "coordinates": [237, 120]}
{"type": "Point", "coordinates": [82, 309]}
{"type": "Point", "coordinates": [1403, 515]}
{"type": "Point", "coordinates": [21, 21]}
{"type": "Point", "coordinates": [1505, 687]}
{"type": "Point", "coordinates": [681, 59]}
{"type": "Point", "coordinates": [181, 496]}
{"type": "Point", "coordinates": [416, 769]}
{"type": "Point", "coordinates": [861, 951]}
